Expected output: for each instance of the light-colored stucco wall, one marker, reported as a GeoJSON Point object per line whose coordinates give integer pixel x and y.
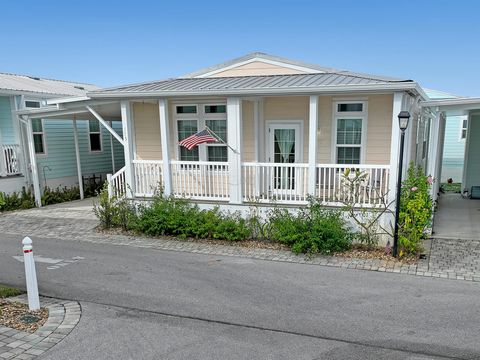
{"type": "Point", "coordinates": [257, 68]}
{"type": "Point", "coordinates": [281, 109]}
{"type": "Point", "coordinates": [147, 131]}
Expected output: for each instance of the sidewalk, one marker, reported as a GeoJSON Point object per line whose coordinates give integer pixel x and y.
{"type": "Point", "coordinates": [19, 345]}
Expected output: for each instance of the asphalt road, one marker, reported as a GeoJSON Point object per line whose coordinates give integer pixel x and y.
{"type": "Point", "coordinates": [151, 304]}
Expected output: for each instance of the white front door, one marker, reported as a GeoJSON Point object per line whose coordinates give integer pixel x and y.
{"type": "Point", "coordinates": [284, 149]}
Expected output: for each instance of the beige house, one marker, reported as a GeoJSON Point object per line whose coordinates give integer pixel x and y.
{"type": "Point", "coordinates": [290, 130]}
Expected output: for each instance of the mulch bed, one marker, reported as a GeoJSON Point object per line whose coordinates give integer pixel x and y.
{"type": "Point", "coordinates": [16, 315]}
{"type": "Point", "coordinates": [357, 252]}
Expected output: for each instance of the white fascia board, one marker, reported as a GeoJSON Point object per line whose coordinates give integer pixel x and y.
{"type": "Point", "coordinates": [64, 100]}
{"type": "Point", "coordinates": [260, 92]}
{"type": "Point", "coordinates": [260, 59]}
{"type": "Point", "coordinates": [451, 102]}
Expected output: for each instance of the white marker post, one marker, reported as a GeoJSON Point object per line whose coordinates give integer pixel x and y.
{"type": "Point", "coordinates": [30, 275]}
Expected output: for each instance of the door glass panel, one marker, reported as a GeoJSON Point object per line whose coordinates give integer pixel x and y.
{"type": "Point", "coordinates": [284, 152]}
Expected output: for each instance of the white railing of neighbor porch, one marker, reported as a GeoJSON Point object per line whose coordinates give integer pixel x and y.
{"type": "Point", "coordinates": [10, 160]}
{"type": "Point", "coordinates": [205, 180]}
{"type": "Point", "coordinates": [274, 182]}
{"type": "Point", "coordinates": [148, 177]}
{"type": "Point", "coordinates": [116, 183]}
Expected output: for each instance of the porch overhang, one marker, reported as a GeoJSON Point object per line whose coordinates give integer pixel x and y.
{"type": "Point", "coordinates": [278, 91]}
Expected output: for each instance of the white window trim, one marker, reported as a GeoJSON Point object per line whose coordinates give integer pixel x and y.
{"type": "Point", "coordinates": [32, 100]}
{"type": "Point", "coordinates": [101, 138]}
{"type": "Point", "coordinates": [460, 138]}
{"type": "Point", "coordinates": [200, 117]}
{"type": "Point", "coordinates": [349, 115]}
{"type": "Point", "coordinates": [44, 154]}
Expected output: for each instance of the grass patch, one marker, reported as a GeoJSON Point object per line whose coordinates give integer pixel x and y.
{"type": "Point", "coordinates": [453, 187]}
{"type": "Point", "coordinates": [6, 291]}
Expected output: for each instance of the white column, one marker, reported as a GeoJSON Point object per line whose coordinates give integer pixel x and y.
{"type": "Point", "coordinates": [258, 138]}
{"type": "Point", "coordinates": [234, 135]}
{"type": "Point", "coordinates": [126, 111]}
{"type": "Point", "coordinates": [164, 137]}
{"type": "Point", "coordinates": [394, 146]}
{"type": "Point", "coordinates": [312, 145]}
{"type": "Point", "coordinates": [111, 149]}
{"type": "Point", "coordinates": [33, 164]}
{"type": "Point", "coordinates": [77, 157]}
{"type": "Point", "coordinates": [3, 162]}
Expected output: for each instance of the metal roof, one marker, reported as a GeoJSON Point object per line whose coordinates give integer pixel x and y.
{"type": "Point", "coordinates": [219, 85]}
{"type": "Point", "coordinates": [42, 86]}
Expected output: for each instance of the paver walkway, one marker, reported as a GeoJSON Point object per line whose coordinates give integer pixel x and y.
{"type": "Point", "coordinates": [75, 221]}
{"type": "Point", "coordinates": [21, 345]}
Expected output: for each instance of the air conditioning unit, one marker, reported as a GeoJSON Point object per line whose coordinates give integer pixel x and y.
{"type": "Point", "coordinates": [475, 192]}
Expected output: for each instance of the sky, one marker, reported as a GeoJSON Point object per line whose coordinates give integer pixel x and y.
{"type": "Point", "coordinates": [108, 43]}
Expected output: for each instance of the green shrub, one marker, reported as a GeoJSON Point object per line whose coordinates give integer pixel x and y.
{"type": "Point", "coordinates": [312, 230]}
{"type": "Point", "coordinates": [178, 217]}
{"type": "Point", "coordinates": [16, 201]}
{"type": "Point", "coordinates": [415, 210]}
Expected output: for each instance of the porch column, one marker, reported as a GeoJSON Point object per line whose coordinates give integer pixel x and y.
{"type": "Point", "coordinates": [259, 138]}
{"type": "Point", "coordinates": [3, 162]}
{"type": "Point", "coordinates": [394, 147]}
{"type": "Point", "coordinates": [77, 156]}
{"type": "Point", "coordinates": [126, 111]}
{"type": "Point", "coordinates": [33, 164]}
{"type": "Point", "coordinates": [312, 145]}
{"type": "Point", "coordinates": [433, 143]}
{"type": "Point", "coordinates": [164, 139]}
{"type": "Point", "coordinates": [111, 149]}
{"type": "Point", "coordinates": [234, 135]}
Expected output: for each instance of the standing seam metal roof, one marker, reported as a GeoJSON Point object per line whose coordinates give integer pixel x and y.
{"type": "Point", "coordinates": [249, 82]}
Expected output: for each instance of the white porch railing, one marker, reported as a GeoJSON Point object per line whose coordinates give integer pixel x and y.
{"type": "Point", "coordinates": [116, 183]}
{"type": "Point", "coordinates": [288, 183]}
{"type": "Point", "coordinates": [205, 180]}
{"type": "Point", "coordinates": [333, 188]}
{"type": "Point", "coordinates": [274, 182]}
{"type": "Point", "coordinates": [10, 160]}
{"type": "Point", "coordinates": [262, 182]}
{"type": "Point", "coordinates": [148, 177]}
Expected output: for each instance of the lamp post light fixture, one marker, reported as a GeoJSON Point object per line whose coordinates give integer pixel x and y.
{"type": "Point", "coordinates": [403, 119]}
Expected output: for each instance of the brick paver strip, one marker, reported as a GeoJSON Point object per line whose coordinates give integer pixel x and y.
{"type": "Point", "coordinates": [449, 259]}
{"type": "Point", "coordinates": [20, 345]}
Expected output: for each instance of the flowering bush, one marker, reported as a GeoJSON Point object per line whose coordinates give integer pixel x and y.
{"type": "Point", "coordinates": [415, 210]}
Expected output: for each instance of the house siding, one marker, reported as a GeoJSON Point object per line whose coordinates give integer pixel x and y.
{"type": "Point", "coordinates": [453, 150]}
{"type": "Point", "coordinates": [257, 68]}
{"type": "Point", "coordinates": [7, 130]}
{"type": "Point", "coordinates": [281, 109]}
{"type": "Point", "coordinates": [60, 161]}
{"type": "Point", "coordinates": [147, 131]}
{"type": "Point", "coordinates": [472, 174]}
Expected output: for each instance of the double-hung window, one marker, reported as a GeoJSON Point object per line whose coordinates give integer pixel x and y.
{"type": "Point", "coordinates": [193, 118]}
{"type": "Point", "coordinates": [95, 136]}
{"type": "Point", "coordinates": [38, 136]}
{"type": "Point", "coordinates": [350, 127]}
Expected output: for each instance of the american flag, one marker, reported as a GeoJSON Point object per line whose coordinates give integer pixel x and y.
{"type": "Point", "coordinates": [201, 137]}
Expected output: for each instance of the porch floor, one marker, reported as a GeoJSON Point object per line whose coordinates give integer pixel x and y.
{"type": "Point", "coordinates": [457, 218]}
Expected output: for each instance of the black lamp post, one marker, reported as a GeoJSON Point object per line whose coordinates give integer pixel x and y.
{"type": "Point", "coordinates": [403, 119]}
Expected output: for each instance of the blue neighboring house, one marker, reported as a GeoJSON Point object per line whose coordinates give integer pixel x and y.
{"type": "Point", "coordinates": [53, 139]}
{"type": "Point", "coordinates": [454, 141]}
